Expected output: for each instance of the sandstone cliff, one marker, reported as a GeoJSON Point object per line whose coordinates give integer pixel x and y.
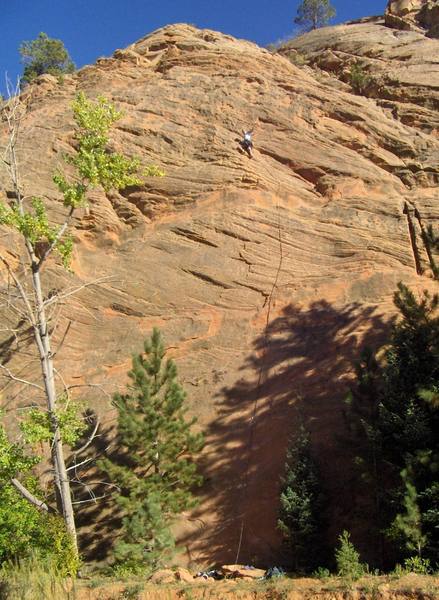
{"type": "Point", "coordinates": [266, 275]}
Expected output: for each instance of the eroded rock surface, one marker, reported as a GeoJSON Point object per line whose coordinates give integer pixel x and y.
{"type": "Point", "coordinates": [266, 275]}
{"type": "Point", "coordinates": [416, 15]}
{"type": "Point", "coordinates": [399, 68]}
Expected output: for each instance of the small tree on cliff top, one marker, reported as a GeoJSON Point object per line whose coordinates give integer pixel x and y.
{"type": "Point", "coordinates": [28, 218]}
{"type": "Point", "coordinates": [44, 55]}
{"type": "Point", "coordinates": [158, 446]}
{"type": "Point", "coordinates": [312, 14]}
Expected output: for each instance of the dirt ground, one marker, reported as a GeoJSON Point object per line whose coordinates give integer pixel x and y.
{"type": "Point", "coordinates": [370, 588]}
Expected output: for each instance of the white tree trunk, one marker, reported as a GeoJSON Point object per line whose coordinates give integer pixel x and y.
{"type": "Point", "coordinates": [42, 338]}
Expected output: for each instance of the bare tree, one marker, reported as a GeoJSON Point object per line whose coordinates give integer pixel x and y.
{"type": "Point", "coordinates": [27, 216]}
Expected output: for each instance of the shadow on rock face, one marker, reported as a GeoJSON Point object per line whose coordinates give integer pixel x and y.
{"type": "Point", "coordinates": [300, 371]}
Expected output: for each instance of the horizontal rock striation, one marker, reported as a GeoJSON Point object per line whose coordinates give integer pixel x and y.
{"type": "Point", "coordinates": [266, 275]}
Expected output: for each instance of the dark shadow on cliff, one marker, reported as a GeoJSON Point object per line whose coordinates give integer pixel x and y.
{"type": "Point", "coordinates": [97, 515]}
{"type": "Point", "coordinates": [298, 373]}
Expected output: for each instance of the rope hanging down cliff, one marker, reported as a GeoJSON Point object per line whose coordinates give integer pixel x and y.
{"type": "Point", "coordinates": [258, 385]}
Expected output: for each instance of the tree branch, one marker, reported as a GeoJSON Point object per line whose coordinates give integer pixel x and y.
{"type": "Point", "coordinates": [89, 441]}
{"type": "Point", "coordinates": [87, 460]}
{"type": "Point", "coordinates": [91, 385]}
{"type": "Point", "coordinates": [58, 236]}
{"type": "Point", "coordinates": [92, 498]}
{"type": "Point", "coordinates": [14, 378]}
{"type": "Point", "coordinates": [29, 496]}
{"type": "Point", "coordinates": [63, 338]}
{"type": "Point", "coordinates": [58, 297]}
{"type": "Point", "coordinates": [21, 290]}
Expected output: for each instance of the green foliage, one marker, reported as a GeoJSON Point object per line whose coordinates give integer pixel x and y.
{"type": "Point", "coordinates": [37, 427]}
{"type": "Point", "coordinates": [297, 58]}
{"type": "Point", "coordinates": [21, 524]}
{"type": "Point", "coordinates": [44, 55]}
{"type": "Point", "coordinates": [364, 442]}
{"type": "Point", "coordinates": [147, 539]}
{"type": "Point", "coordinates": [301, 505]}
{"type": "Point", "coordinates": [358, 78]}
{"type": "Point", "coordinates": [395, 421]}
{"type": "Point", "coordinates": [58, 547]}
{"type": "Point", "coordinates": [34, 226]}
{"type": "Point", "coordinates": [94, 166]}
{"type": "Point", "coordinates": [93, 163]}
{"type": "Point", "coordinates": [321, 573]}
{"type": "Point", "coordinates": [152, 171]}
{"type": "Point", "coordinates": [158, 447]}
{"type": "Point", "coordinates": [23, 528]}
{"type": "Point", "coordinates": [348, 559]}
{"type": "Point", "coordinates": [312, 14]}
{"type": "Point", "coordinates": [34, 578]}
{"type": "Point", "coordinates": [408, 422]}
{"type": "Point", "coordinates": [407, 525]}
{"type": "Point", "coordinates": [13, 459]}
{"type": "Point", "coordinates": [416, 564]}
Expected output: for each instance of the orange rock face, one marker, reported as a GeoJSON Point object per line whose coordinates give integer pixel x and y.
{"type": "Point", "coordinates": [265, 275]}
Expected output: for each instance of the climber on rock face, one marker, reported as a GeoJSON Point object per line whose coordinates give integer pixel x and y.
{"type": "Point", "coordinates": [246, 142]}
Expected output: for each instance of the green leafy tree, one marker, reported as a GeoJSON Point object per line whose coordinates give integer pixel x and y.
{"type": "Point", "coordinates": [301, 505]}
{"type": "Point", "coordinates": [29, 220]}
{"type": "Point", "coordinates": [24, 528]}
{"type": "Point", "coordinates": [312, 14]}
{"type": "Point", "coordinates": [157, 447]}
{"type": "Point", "coordinates": [44, 55]}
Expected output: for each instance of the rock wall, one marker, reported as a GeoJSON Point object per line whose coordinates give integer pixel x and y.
{"type": "Point", "coordinates": [266, 275]}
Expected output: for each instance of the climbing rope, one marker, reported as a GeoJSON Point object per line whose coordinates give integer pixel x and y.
{"type": "Point", "coordinates": [258, 385]}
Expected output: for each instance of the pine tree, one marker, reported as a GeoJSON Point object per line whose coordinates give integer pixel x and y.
{"type": "Point", "coordinates": [158, 447]}
{"type": "Point", "coordinates": [407, 526]}
{"type": "Point", "coordinates": [348, 559]}
{"type": "Point", "coordinates": [364, 440]}
{"type": "Point", "coordinates": [301, 504]}
{"type": "Point", "coordinates": [314, 13]}
{"type": "Point", "coordinates": [410, 421]}
{"type": "Point", "coordinates": [44, 55]}
{"type": "Point", "coordinates": [400, 420]}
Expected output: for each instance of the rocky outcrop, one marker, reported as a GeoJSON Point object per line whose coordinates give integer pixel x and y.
{"type": "Point", "coordinates": [266, 275]}
{"type": "Point", "coordinates": [414, 15]}
{"type": "Point", "coordinates": [398, 69]}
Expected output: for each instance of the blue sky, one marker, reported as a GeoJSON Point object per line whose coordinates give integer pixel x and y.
{"type": "Point", "coordinates": [94, 28]}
